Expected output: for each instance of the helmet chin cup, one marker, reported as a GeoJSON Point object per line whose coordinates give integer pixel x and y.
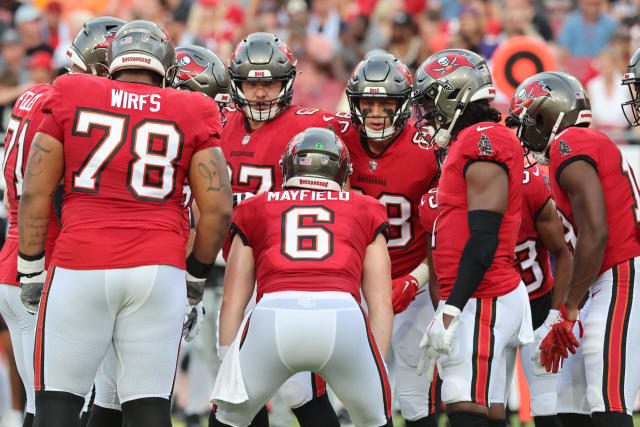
{"type": "Point", "coordinates": [380, 134]}
{"type": "Point", "coordinates": [540, 158]}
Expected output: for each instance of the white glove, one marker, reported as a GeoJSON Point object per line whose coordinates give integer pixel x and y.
{"type": "Point", "coordinates": [437, 339]}
{"type": "Point", "coordinates": [193, 317]}
{"type": "Point", "coordinates": [32, 276]}
{"type": "Point", "coordinates": [539, 335]}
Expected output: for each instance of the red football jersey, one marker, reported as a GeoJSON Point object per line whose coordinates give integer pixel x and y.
{"type": "Point", "coordinates": [429, 209]}
{"type": "Point", "coordinates": [127, 149]}
{"type": "Point", "coordinates": [309, 240]}
{"type": "Point", "coordinates": [253, 156]}
{"type": "Point", "coordinates": [397, 178]}
{"type": "Point", "coordinates": [618, 182]}
{"type": "Point", "coordinates": [21, 128]}
{"type": "Point", "coordinates": [532, 256]}
{"type": "Point", "coordinates": [495, 143]}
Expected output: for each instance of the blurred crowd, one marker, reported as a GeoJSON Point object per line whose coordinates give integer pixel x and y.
{"type": "Point", "coordinates": [590, 38]}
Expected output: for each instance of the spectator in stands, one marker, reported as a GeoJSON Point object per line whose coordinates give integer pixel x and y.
{"type": "Point", "coordinates": [59, 35]}
{"type": "Point", "coordinates": [405, 41]}
{"type": "Point", "coordinates": [28, 24]}
{"type": "Point", "coordinates": [518, 20]}
{"type": "Point", "coordinates": [41, 68]}
{"type": "Point", "coordinates": [325, 19]}
{"type": "Point", "coordinates": [12, 56]}
{"type": "Point", "coordinates": [606, 93]}
{"type": "Point", "coordinates": [351, 49]}
{"type": "Point", "coordinates": [587, 30]}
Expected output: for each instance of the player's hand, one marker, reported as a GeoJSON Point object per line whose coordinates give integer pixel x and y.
{"type": "Point", "coordinates": [539, 335]}
{"type": "Point", "coordinates": [239, 197]}
{"type": "Point", "coordinates": [32, 275]}
{"type": "Point", "coordinates": [404, 291]}
{"type": "Point", "coordinates": [554, 346]}
{"type": "Point", "coordinates": [437, 339]}
{"type": "Point", "coordinates": [195, 289]}
{"type": "Point", "coordinates": [193, 317]}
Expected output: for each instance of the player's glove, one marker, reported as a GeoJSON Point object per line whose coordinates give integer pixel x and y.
{"type": "Point", "coordinates": [559, 339]}
{"type": "Point", "coordinates": [193, 318]}
{"type": "Point", "coordinates": [196, 277]}
{"type": "Point", "coordinates": [437, 339]}
{"type": "Point", "coordinates": [539, 335]}
{"type": "Point", "coordinates": [239, 197]}
{"type": "Point", "coordinates": [32, 275]}
{"type": "Point", "coordinates": [404, 291]}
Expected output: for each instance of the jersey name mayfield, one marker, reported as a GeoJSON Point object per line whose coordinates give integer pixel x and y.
{"type": "Point", "coordinates": [489, 142]}
{"type": "Point", "coordinates": [253, 155]}
{"type": "Point", "coordinates": [21, 128]}
{"type": "Point", "coordinates": [309, 240]}
{"type": "Point", "coordinates": [125, 165]}
{"type": "Point", "coordinates": [397, 178]}
{"type": "Point", "coordinates": [618, 183]}
{"type": "Point", "coordinates": [532, 257]}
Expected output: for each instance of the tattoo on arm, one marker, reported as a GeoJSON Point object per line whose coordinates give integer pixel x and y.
{"type": "Point", "coordinates": [33, 231]}
{"type": "Point", "coordinates": [35, 159]}
{"type": "Point", "coordinates": [216, 174]}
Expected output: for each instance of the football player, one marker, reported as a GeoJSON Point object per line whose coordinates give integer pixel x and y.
{"type": "Point", "coordinates": [316, 245]}
{"type": "Point", "coordinates": [484, 303]}
{"type": "Point", "coordinates": [383, 145]}
{"type": "Point", "coordinates": [87, 54]}
{"type": "Point", "coordinates": [124, 147]}
{"type": "Point", "coordinates": [595, 189]}
{"type": "Point", "coordinates": [541, 232]}
{"type": "Point", "coordinates": [262, 70]}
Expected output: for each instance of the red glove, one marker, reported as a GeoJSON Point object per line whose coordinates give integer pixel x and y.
{"type": "Point", "coordinates": [553, 349]}
{"type": "Point", "coordinates": [404, 291]}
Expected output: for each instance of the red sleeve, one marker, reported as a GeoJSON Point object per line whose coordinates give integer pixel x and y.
{"type": "Point", "coordinates": [571, 145]}
{"type": "Point", "coordinates": [490, 142]}
{"type": "Point", "coordinates": [209, 134]}
{"type": "Point", "coordinates": [377, 214]}
{"type": "Point", "coordinates": [50, 108]}
{"type": "Point", "coordinates": [536, 191]}
{"type": "Point", "coordinates": [239, 223]}
{"type": "Point", "coordinates": [429, 209]}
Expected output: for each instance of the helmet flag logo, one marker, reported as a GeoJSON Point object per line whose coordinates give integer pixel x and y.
{"type": "Point", "coordinates": [528, 94]}
{"type": "Point", "coordinates": [187, 67]}
{"type": "Point", "coordinates": [447, 64]}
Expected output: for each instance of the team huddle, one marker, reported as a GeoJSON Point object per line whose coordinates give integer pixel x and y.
{"type": "Point", "coordinates": [407, 239]}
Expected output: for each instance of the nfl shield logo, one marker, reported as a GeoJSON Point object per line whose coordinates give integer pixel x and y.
{"type": "Point", "coordinates": [373, 165]}
{"type": "Point", "coordinates": [144, 38]}
{"type": "Point", "coordinates": [245, 140]}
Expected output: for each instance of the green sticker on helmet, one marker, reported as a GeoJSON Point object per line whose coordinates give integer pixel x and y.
{"type": "Point", "coordinates": [319, 145]}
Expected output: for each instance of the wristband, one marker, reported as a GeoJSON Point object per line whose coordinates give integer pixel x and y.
{"type": "Point", "coordinates": [421, 274]}
{"type": "Point", "coordinates": [30, 265]}
{"type": "Point", "coordinates": [451, 310]}
{"type": "Point", "coordinates": [196, 268]}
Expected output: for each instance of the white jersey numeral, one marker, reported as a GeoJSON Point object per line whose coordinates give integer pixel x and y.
{"type": "Point", "coordinates": [628, 172]}
{"type": "Point", "coordinates": [87, 178]}
{"type": "Point", "coordinates": [305, 242]}
{"type": "Point", "coordinates": [151, 174]}
{"type": "Point", "coordinates": [527, 257]}
{"type": "Point", "coordinates": [15, 140]}
{"type": "Point", "coordinates": [247, 173]}
{"type": "Point", "coordinates": [399, 213]}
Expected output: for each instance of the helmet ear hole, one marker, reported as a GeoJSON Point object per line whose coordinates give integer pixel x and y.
{"type": "Point", "coordinates": [454, 94]}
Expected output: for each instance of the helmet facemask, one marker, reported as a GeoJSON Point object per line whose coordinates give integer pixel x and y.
{"type": "Point", "coordinates": [631, 108]}
{"type": "Point", "coordinates": [396, 118]}
{"type": "Point", "coordinates": [265, 109]}
{"type": "Point", "coordinates": [430, 119]}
